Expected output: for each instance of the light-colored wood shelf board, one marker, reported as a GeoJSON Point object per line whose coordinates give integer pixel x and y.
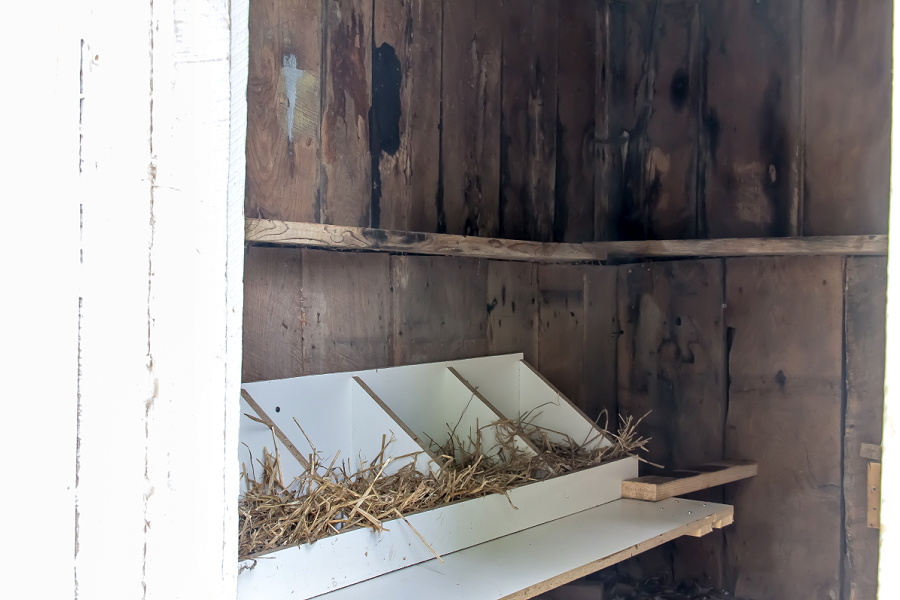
{"type": "Point", "coordinates": [654, 488]}
{"type": "Point", "coordinates": [530, 562]}
{"type": "Point", "coordinates": [334, 237]}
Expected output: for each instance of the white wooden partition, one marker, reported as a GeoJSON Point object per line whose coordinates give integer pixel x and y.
{"type": "Point", "coordinates": [350, 414]}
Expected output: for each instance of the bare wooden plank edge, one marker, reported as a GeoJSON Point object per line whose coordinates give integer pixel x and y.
{"type": "Point", "coordinates": [654, 488]}
{"type": "Point", "coordinates": [874, 480]}
{"type": "Point", "coordinates": [335, 237]}
{"type": "Point", "coordinates": [715, 521]}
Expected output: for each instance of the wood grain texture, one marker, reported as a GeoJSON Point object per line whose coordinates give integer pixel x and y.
{"type": "Point", "coordinates": [655, 103]}
{"type": "Point", "coordinates": [672, 357]}
{"type": "Point", "coordinates": [283, 109]}
{"type": "Point", "coordinates": [438, 308]}
{"type": "Point", "coordinates": [345, 311]}
{"type": "Point", "coordinates": [574, 204]}
{"type": "Point", "coordinates": [868, 245]}
{"type": "Point", "coordinates": [865, 299]}
{"type": "Point", "coordinates": [847, 102]}
{"type": "Point", "coordinates": [345, 189]}
{"type": "Point", "coordinates": [785, 319]}
{"type": "Point", "coordinates": [512, 309]}
{"type": "Point", "coordinates": [406, 114]}
{"type": "Point", "coordinates": [599, 389]}
{"type": "Point", "coordinates": [750, 172]}
{"type": "Point", "coordinates": [874, 488]}
{"type": "Point", "coordinates": [528, 123]}
{"type": "Point", "coordinates": [470, 125]}
{"type": "Point", "coordinates": [359, 238]}
{"type": "Point", "coordinates": [655, 488]}
{"type": "Point", "coordinates": [272, 314]}
{"type": "Point", "coordinates": [604, 150]}
{"type": "Point", "coordinates": [561, 315]}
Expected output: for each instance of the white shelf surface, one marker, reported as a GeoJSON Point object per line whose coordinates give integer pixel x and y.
{"type": "Point", "coordinates": [530, 562]}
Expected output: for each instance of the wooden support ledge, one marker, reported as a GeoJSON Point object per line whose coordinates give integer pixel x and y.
{"type": "Point", "coordinates": [334, 237]}
{"type": "Point", "coordinates": [654, 488]}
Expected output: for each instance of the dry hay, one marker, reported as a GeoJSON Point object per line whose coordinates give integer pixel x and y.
{"type": "Point", "coordinates": [326, 500]}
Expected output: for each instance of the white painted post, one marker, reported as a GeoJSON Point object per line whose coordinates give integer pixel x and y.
{"type": "Point", "coordinates": [889, 558]}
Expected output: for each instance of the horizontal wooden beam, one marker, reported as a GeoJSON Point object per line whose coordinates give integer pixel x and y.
{"type": "Point", "coordinates": [335, 237]}
{"type": "Point", "coordinates": [438, 244]}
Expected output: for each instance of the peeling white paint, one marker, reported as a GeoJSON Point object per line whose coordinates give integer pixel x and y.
{"type": "Point", "coordinates": [292, 76]}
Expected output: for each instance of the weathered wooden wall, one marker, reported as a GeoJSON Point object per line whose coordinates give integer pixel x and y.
{"type": "Point", "coordinates": [572, 121]}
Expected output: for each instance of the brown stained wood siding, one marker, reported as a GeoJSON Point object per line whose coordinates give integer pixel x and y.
{"type": "Point", "coordinates": [345, 186]}
{"type": "Point", "coordinates": [406, 114]}
{"type": "Point", "coordinates": [847, 79]}
{"type": "Point", "coordinates": [470, 126]}
{"type": "Point", "coordinates": [785, 317]}
{"type": "Point", "coordinates": [512, 307]}
{"type": "Point", "coordinates": [283, 109]}
{"type": "Point", "coordinates": [573, 219]}
{"type": "Point", "coordinates": [654, 114]}
{"type": "Point", "coordinates": [561, 318]}
{"type": "Point", "coordinates": [751, 118]}
{"type": "Point", "coordinates": [864, 326]}
{"type": "Point", "coordinates": [528, 123]}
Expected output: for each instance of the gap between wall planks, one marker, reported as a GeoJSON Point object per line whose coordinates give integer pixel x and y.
{"type": "Point", "coordinates": [360, 238]}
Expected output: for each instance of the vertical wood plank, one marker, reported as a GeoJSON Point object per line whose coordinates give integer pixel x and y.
{"type": "Point", "coordinates": [574, 206]}
{"type": "Point", "coordinates": [405, 119]}
{"type": "Point", "coordinates": [604, 150]}
{"type": "Point", "coordinates": [470, 122]}
{"type": "Point", "coordinates": [847, 93]}
{"type": "Point", "coordinates": [751, 165]}
{"type": "Point", "coordinates": [561, 314]}
{"type": "Point", "coordinates": [512, 309]}
{"type": "Point", "coordinates": [438, 309]}
{"type": "Point", "coordinates": [283, 109]}
{"type": "Point", "coordinates": [655, 103]}
{"type": "Point", "coordinates": [671, 357]}
{"type": "Point", "coordinates": [528, 123]}
{"type": "Point", "coordinates": [346, 311]}
{"type": "Point", "coordinates": [272, 314]}
{"type": "Point", "coordinates": [599, 389]}
{"type": "Point", "coordinates": [864, 321]}
{"type": "Point", "coordinates": [785, 316]}
{"type": "Point", "coordinates": [345, 190]}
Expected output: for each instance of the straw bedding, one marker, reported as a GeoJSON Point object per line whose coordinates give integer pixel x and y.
{"type": "Point", "coordinates": [328, 498]}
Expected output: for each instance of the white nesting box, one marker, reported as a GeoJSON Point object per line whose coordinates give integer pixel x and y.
{"type": "Point", "coordinates": [352, 413]}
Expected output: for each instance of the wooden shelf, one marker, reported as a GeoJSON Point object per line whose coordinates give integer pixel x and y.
{"type": "Point", "coordinates": [530, 562]}
{"type": "Point", "coordinates": [314, 235]}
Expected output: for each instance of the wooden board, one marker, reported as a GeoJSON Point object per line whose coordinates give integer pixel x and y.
{"type": "Point", "coordinates": [438, 308]}
{"type": "Point", "coordinates": [750, 167]}
{"type": "Point", "coordinates": [599, 389]}
{"type": "Point", "coordinates": [345, 189]}
{"type": "Point", "coordinates": [656, 98]}
{"type": "Point", "coordinates": [561, 330]}
{"type": "Point", "coordinates": [584, 543]}
{"type": "Point", "coordinates": [604, 151]}
{"type": "Point", "coordinates": [864, 330]}
{"type": "Point", "coordinates": [406, 111]}
{"type": "Point", "coordinates": [272, 314]}
{"type": "Point", "coordinates": [671, 361]}
{"type": "Point", "coordinates": [874, 492]}
{"type": "Point", "coordinates": [528, 123]}
{"type": "Point", "coordinates": [847, 47]}
{"type": "Point", "coordinates": [470, 121]}
{"type": "Point", "coordinates": [512, 309]}
{"type": "Point", "coordinates": [655, 488]}
{"type": "Point", "coordinates": [283, 109]}
{"type": "Point", "coordinates": [315, 235]}
{"type": "Point", "coordinates": [672, 358]}
{"type": "Point", "coordinates": [345, 311]}
{"type": "Point", "coordinates": [573, 220]}
{"type": "Point", "coordinates": [785, 411]}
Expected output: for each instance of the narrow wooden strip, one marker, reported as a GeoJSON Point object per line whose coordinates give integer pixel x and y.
{"type": "Point", "coordinates": [874, 473]}
{"type": "Point", "coordinates": [336, 237]}
{"type": "Point", "coordinates": [267, 420]}
{"type": "Point", "coordinates": [655, 488]}
{"type": "Point", "coordinates": [360, 238]}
